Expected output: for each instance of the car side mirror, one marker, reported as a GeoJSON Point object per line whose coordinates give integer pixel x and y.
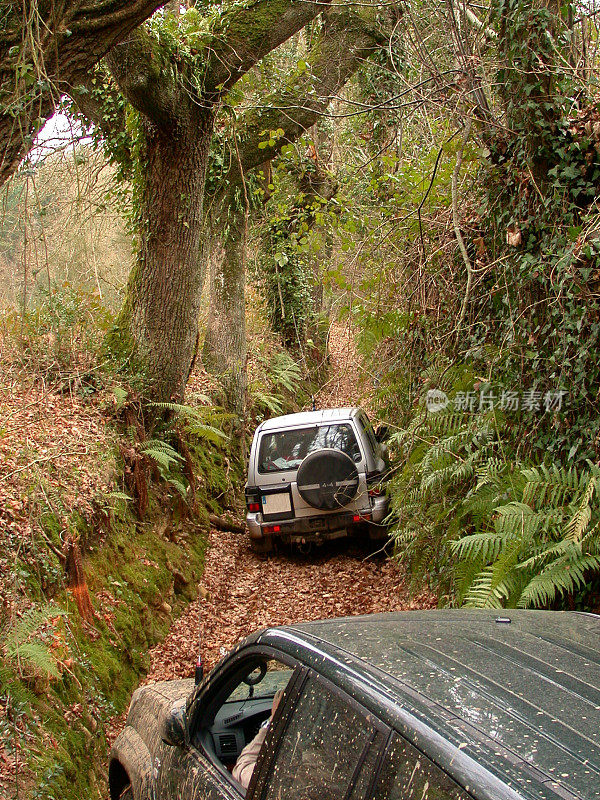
{"type": "Point", "coordinates": [174, 730]}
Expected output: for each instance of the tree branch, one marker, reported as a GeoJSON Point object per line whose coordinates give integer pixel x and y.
{"type": "Point", "coordinates": [144, 75]}
{"type": "Point", "coordinates": [243, 36]}
{"type": "Point", "coordinates": [47, 47]}
{"type": "Point", "coordinates": [346, 40]}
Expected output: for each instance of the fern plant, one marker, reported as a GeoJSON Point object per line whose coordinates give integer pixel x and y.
{"type": "Point", "coordinates": [439, 490]}
{"type": "Point", "coordinates": [200, 423]}
{"type": "Point", "coordinates": [542, 544]}
{"type": "Point", "coordinates": [283, 377]}
{"type": "Point", "coordinates": [25, 651]}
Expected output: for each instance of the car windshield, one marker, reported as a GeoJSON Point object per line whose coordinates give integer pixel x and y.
{"type": "Point", "coordinates": [285, 450]}
{"type": "Point", "coordinates": [277, 677]}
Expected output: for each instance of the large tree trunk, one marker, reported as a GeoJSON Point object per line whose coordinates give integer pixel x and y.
{"type": "Point", "coordinates": [177, 107]}
{"type": "Point", "coordinates": [162, 304]}
{"type": "Point", "coordinates": [224, 351]}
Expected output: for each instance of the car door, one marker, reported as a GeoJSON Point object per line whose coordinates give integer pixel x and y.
{"type": "Point", "coordinates": [218, 710]}
{"type": "Point", "coordinates": [187, 773]}
{"type": "Point", "coordinates": [325, 747]}
{"type": "Point", "coordinates": [407, 774]}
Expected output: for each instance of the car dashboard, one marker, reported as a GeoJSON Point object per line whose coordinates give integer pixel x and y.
{"type": "Point", "coordinates": [236, 724]}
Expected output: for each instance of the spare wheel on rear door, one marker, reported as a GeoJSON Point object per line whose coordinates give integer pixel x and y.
{"type": "Point", "coordinates": [327, 479]}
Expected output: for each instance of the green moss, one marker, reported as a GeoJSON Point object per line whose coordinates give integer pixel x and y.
{"type": "Point", "coordinates": [129, 577]}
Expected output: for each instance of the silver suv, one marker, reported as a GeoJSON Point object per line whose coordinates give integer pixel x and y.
{"type": "Point", "coordinates": [314, 476]}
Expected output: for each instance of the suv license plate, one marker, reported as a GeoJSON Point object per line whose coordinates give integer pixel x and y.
{"type": "Point", "coordinates": [276, 503]}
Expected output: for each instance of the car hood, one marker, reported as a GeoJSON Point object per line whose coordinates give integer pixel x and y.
{"type": "Point", "coordinates": [150, 704]}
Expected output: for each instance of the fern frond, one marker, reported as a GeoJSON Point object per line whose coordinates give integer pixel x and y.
{"type": "Point", "coordinates": [162, 453]}
{"type": "Point", "coordinates": [583, 514]}
{"type": "Point", "coordinates": [542, 555]}
{"type": "Point", "coordinates": [562, 576]}
{"type": "Point", "coordinates": [37, 657]}
{"type": "Point", "coordinates": [198, 417]}
{"type": "Point", "coordinates": [518, 519]}
{"type": "Point", "coordinates": [480, 547]}
{"type": "Point", "coordinates": [465, 574]}
{"type": "Point", "coordinates": [550, 485]}
{"type": "Point", "coordinates": [28, 625]}
{"type": "Point", "coordinates": [176, 408]}
{"type": "Point", "coordinates": [481, 594]}
{"type": "Point", "coordinates": [208, 432]}
{"type": "Point", "coordinates": [23, 650]}
{"type": "Point", "coordinates": [271, 402]}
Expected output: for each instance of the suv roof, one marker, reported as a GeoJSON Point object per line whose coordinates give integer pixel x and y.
{"type": "Point", "coordinates": [308, 417]}
{"type": "Point", "coordinates": [511, 697]}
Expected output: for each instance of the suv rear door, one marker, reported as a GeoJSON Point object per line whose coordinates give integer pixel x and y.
{"type": "Point", "coordinates": [276, 470]}
{"type": "Point", "coordinates": [326, 746]}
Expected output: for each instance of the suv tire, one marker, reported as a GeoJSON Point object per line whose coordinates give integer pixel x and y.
{"type": "Point", "coordinates": [262, 546]}
{"type": "Point", "coordinates": [327, 479]}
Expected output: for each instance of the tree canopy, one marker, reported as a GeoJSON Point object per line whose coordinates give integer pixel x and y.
{"type": "Point", "coordinates": [46, 48]}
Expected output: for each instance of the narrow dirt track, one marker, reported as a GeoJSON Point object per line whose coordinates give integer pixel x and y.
{"type": "Point", "coordinates": [245, 592]}
{"type": "Point", "coordinates": [347, 385]}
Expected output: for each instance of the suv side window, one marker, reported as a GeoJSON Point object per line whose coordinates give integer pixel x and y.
{"type": "Point", "coordinates": [369, 433]}
{"type": "Point", "coordinates": [409, 775]}
{"type": "Point", "coordinates": [321, 749]}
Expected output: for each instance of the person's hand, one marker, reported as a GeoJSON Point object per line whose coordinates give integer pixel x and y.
{"type": "Point", "coordinates": [276, 699]}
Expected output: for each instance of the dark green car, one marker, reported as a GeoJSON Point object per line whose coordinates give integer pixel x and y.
{"type": "Point", "coordinates": [432, 705]}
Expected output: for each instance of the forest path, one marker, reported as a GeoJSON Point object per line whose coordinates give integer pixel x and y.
{"type": "Point", "coordinates": [244, 591]}
{"type": "Point", "coordinates": [347, 385]}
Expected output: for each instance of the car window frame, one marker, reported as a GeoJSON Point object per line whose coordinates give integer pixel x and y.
{"type": "Point", "coordinates": [367, 428]}
{"type": "Point", "coordinates": [217, 687]}
{"type": "Point", "coordinates": [269, 752]}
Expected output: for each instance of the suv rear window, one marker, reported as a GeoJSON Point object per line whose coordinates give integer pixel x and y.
{"type": "Point", "coordinates": [285, 450]}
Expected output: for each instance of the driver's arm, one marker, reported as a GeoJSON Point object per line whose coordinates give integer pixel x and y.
{"type": "Point", "coordinates": [244, 766]}
{"type": "Point", "coordinates": [246, 761]}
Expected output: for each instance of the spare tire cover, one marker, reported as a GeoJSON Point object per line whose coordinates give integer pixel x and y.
{"type": "Point", "coordinates": [327, 479]}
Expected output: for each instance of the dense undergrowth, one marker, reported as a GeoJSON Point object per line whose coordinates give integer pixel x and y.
{"type": "Point", "coordinates": [479, 321]}
{"type": "Point", "coordinates": [103, 529]}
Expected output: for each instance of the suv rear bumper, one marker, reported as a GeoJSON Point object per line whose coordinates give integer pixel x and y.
{"type": "Point", "coordinates": [318, 528]}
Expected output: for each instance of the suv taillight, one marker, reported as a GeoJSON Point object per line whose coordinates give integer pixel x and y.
{"type": "Point", "coordinates": [374, 483]}
{"type": "Point", "coordinates": [252, 499]}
